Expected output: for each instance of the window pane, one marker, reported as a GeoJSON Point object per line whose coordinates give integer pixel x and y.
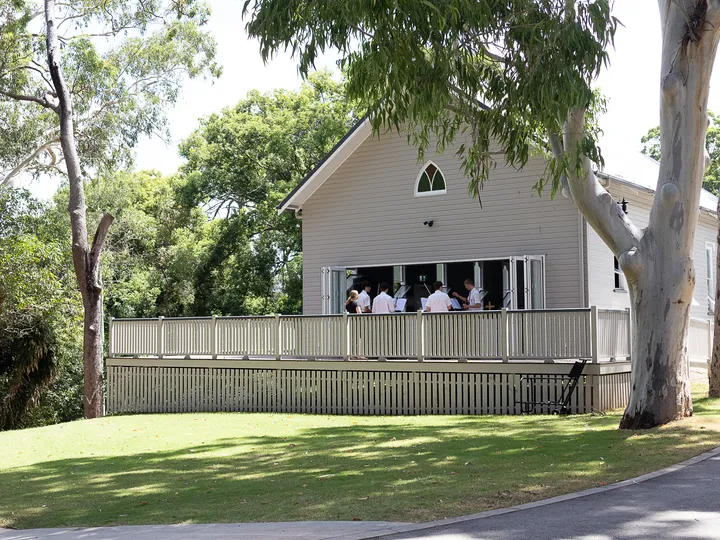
{"type": "Point", "coordinates": [430, 169]}
{"type": "Point", "coordinates": [438, 183]}
{"type": "Point", "coordinates": [424, 184]}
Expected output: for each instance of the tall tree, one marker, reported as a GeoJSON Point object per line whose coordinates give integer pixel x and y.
{"type": "Point", "coordinates": [99, 76]}
{"type": "Point", "coordinates": [711, 182]}
{"type": "Point", "coordinates": [240, 164]}
{"type": "Point", "coordinates": [425, 66]}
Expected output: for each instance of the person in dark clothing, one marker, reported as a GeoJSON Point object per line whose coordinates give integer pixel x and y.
{"type": "Point", "coordinates": [351, 304]}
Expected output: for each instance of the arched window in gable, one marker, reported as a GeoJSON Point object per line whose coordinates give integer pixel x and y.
{"type": "Point", "coordinates": [430, 181]}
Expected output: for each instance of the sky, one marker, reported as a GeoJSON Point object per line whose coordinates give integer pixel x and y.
{"type": "Point", "coordinates": [631, 84]}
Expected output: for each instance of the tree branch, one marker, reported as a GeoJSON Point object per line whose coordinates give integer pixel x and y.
{"type": "Point", "coordinates": [96, 250]}
{"type": "Point", "coordinates": [28, 160]}
{"type": "Point", "coordinates": [596, 204]}
{"type": "Point", "coordinates": [32, 99]}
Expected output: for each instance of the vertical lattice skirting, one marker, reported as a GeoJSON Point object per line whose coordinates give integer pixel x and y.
{"type": "Point", "coordinates": [333, 388]}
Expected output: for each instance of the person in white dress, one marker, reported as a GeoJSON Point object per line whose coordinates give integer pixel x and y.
{"type": "Point", "coordinates": [383, 302]}
{"type": "Point", "coordinates": [438, 301]}
{"type": "Point", "coordinates": [473, 301]}
{"type": "Point", "coordinates": [364, 298]}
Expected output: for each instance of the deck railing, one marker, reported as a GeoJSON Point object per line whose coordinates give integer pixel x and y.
{"type": "Point", "coordinates": [480, 335]}
{"type": "Point", "coordinates": [700, 342]}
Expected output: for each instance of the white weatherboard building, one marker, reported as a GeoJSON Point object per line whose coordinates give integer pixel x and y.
{"type": "Point", "coordinates": [371, 212]}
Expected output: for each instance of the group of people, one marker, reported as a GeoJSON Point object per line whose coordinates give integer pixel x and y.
{"type": "Point", "coordinates": [360, 302]}
{"type": "Point", "coordinates": [437, 302]}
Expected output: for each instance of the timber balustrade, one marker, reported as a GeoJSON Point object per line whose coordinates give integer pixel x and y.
{"type": "Point", "coordinates": [480, 335]}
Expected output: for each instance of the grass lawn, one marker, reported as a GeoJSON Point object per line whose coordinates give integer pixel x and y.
{"type": "Point", "coordinates": [196, 468]}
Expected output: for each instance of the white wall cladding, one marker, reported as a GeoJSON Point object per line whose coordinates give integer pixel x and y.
{"type": "Point", "coordinates": [366, 214]}
{"type": "Point", "coordinates": [600, 259]}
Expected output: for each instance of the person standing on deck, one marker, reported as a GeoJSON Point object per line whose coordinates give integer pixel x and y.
{"type": "Point", "coordinates": [364, 298]}
{"type": "Point", "coordinates": [383, 302]}
{"type": "Point", "coordinates": [438, 301]}
{"type": "Point", "coordinates": [473, 301]}
{"type": "Point", "coordinates": [351, 304]}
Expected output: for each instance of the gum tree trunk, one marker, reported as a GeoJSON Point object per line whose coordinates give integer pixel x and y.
{"type": "Point", "coordinates": [714, 367]}
{"type": "Point", "coordinates": [657, 261]}
{"type": "Point", "coordinates": [86, 259]}
{"type": "Point", "coordinates": [662, 274]}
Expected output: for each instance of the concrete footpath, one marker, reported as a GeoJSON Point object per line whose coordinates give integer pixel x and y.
{"type": "Point", "coordinates": [682, 501]}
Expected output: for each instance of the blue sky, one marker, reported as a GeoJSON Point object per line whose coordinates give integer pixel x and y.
{"type": "Point", "coordinates": [631, 84]}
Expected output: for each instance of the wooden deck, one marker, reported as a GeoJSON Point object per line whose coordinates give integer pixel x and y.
{"type": "Point", "coordinates": [409, 363]}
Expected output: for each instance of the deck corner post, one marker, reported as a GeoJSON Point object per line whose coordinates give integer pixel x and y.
{"type": "Point", "coordinates": [344, 341]}
{"type": "Point", "coordinates": [278, 338]}
{"type": "Point", "coordinates": [161, 336]}
{"type": "Point", "coordinates": [111, 339]}
{"type": "Point", "coordinates": [419, 341]}
{"type": "Point", "coordinates": [594, 334]}
{"type": "Point", "coordinates": [504, 335]}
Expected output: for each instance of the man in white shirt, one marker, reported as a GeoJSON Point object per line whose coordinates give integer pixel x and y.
{"type": "Point", "coordinates": [364, 298]}
{"type": "Point", "coordinates": [473, 301]}
{"type": "Point", "coordinates": [438, 301]}
{"type": "Point", "coordinates": [383, 302]}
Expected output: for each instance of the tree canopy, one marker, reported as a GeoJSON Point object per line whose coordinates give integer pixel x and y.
{"type": "Point", "coordinates": [240, 165]}
{"type": "Point", "coordinates": [500, 74]}
{"type": "Point", "coordinates": [125, 63]}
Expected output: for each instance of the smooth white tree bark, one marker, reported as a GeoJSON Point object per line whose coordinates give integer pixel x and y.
{"type": "Point", "coordinates": [714, 367]}
{"type": "Point", "coordinates": [657, 261]}
{"type": "Point", "coordinates": [86, 259]}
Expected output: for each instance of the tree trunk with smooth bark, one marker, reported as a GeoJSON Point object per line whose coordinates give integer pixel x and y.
{"type": "Point", "coordinates": [714, 367]}
{"type": "Point", "coordinates": [86, 259]}
{"type": "Point", "coordinates": [658, 260]}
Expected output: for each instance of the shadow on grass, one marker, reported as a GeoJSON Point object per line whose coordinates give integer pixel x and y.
{"type": "Point", "coordinates": [399, 472]}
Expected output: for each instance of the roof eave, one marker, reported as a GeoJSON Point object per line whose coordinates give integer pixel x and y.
{"type": "Point", "coordinates": [326, 167]}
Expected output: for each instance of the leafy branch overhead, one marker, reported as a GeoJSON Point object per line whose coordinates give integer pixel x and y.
{"type": "Point", "coordinates": [432, 67]}
{"type": "Point", "coordinates": [124, 63]}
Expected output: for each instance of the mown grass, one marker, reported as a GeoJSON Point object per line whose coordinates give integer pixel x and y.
{"type": "Point", "coordinates": [202, 468]}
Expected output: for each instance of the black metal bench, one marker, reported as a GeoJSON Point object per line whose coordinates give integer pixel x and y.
{"type": "Point", "coordinates": [529, 386]}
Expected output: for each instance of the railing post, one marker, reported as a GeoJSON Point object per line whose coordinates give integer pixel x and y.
{"type": "Point", "coordinates": [213, 337]}
{"type": "Point", "coordinates": [629, 333]}
{"type": "Point", "coordinates": [160, 336]}
{"type": "Point", "coordinates": [709, 341]}
{"type": "Point", "coordinates": [419, 341]}
{"type": "Point", "coordinates": [278, 338]}
{"type": "Point", "coordinates": [111, 340]}
{"type": "Point", "coordinates": [594, 334]}
{"type": "Point", "coordinates": [504, 335]}
{"type": "Point", "coordinates": [345, 342]}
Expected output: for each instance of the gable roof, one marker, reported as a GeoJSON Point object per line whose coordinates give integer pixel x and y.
{"type": "Point", "coordinates": [633, 169]}
{"type": "Point", "coordinates": [328, 165]}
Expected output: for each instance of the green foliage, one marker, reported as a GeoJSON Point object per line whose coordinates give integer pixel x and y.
{"type": "Point", "coordinates": [40, 318]}
{"type": "Point", "coordinates": [711, 181]}
{"type": "Point", "coordinates": [428, 67]}
{"type": "Point", "coordinates": [240, 165]}
{"type": "Point", "coordinates": [151, 254]}
{"type": "Point", "coordinates": [125, 62]}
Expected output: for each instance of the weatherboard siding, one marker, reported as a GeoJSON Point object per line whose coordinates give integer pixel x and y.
{"type": "Point", "coordinates": [601, 283]}
{"type": "Point", "coordinates": [366, 214]}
